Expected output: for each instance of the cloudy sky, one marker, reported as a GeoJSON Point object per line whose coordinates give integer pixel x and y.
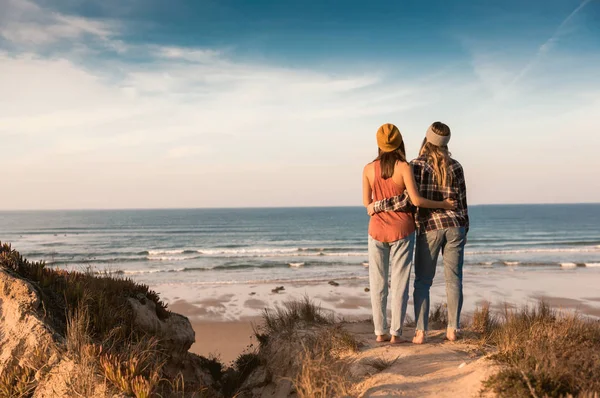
{"type": "Point", "coordinates": [218, 103]}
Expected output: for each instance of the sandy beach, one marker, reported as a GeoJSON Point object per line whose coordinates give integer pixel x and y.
{"type": "Point", "coordinates": [223, 315]}
{"type": "Point", "coordinates": [225, 340]}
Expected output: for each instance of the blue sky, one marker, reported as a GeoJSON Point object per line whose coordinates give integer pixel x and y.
{"type": "Point", "coordinates": [111, 104]}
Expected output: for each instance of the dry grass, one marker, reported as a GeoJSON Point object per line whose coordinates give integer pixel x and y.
{"type": "Point", "coordinates": [293, 315]}
{"type": "Point", "coordinates": [438, 317]}
{"type": "Point", "coordinates": [234, 377]}
{"type": "Point", "coordinates": [136, 371]}
{"type": "Point", "coordinates": [18, 382]}
{"type": "Point", "coordinates": [301, 343]}
{"type": "Point", "coordinates": [379, 364]}
{"type": "Point", "coordinates": [321, 376]}
{"type": "Point", "coordinates": [484, 322]}
{"type": "Point", "coordinates": [91, 311]}
{"type": "Point", "coordinates": [545, 353]}
{"type": "Point", "coordinates": [104, 295]}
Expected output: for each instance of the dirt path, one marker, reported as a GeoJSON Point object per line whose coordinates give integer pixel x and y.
{"type": "Point", "coordinates": [437, 369]}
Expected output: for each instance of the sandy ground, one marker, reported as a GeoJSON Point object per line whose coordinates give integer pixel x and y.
{"type": "Point", "coordinates": [437, 369]}
{"type": "Point", "coordinates": [223, 339]}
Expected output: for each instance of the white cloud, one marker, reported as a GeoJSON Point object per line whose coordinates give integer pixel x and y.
{"type": "Point", "coordinates": [25, 23]}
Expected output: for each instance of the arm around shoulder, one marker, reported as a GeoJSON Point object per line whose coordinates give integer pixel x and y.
{"type": "Point", "coordinates": [415, 196]}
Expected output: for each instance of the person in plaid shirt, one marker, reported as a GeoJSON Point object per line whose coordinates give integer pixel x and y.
{"type": "Point", "coordinates": [438, 177]}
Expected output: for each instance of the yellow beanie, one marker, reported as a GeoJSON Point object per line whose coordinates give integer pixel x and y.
{"type": "Point", "coordinates": [388, 137]}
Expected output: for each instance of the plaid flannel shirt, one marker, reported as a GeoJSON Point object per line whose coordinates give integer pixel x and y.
{"type": "Point", "coordinates": [433, 219]}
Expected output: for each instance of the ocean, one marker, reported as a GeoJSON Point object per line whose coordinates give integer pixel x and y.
{"type": "Point", "coordinates": [249, 246]}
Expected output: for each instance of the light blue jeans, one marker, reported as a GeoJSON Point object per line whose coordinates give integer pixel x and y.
{"type": "Point", "coordinates": [451, 242]}
{"type": "Point", "coordinates": [383, 256]}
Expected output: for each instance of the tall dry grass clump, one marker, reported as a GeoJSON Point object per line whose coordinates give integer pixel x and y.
{"type": "Point", "coordinates": [294, 314]}
{"type": "Point", "coordinates": [438, 316]}
{"type": "Point", "coordinates": [321, 375]}
{"type": "Point", "coordinates": [545, 353]}
{"type": "Point", "coordinates": [483, 321]}
{"type": "Point", "coordinates": [302, 343]}
{"type": "Point", "coordinates": [136, 371]}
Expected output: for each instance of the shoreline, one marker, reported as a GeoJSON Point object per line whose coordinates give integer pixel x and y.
{"type": "Point", "coordinates": [566, 289]}
{"type": "Point", "coordinates": [224, 316]}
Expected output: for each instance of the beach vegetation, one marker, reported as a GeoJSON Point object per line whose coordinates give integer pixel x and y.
{"type": "Point", "coordinates": [19, 378]}
{"type": "Point", "coordinates": [438, 316]}
{"type": "Point", "coordinates": [92, 312]}
{"type": "Point", "coordinates": [18, 381]}
{"type": "Point", "coordinates": [292, 315]}
{"type": "Point", "coordinates": [483, 321]}
{"type": "Point", "coordinates": [304, 344]}
{"type": "Point", "coordinates": [320, 375]}
{"type": "Point", "coordinates": [104, 296]}
{"type": "Point", "coordinates": [379, 363]}
{"type": "Point", "coordinates": [542, 352]}
{"type": "Point", "coordinates": [234, 377]}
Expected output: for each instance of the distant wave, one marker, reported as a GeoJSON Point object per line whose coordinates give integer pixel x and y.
{"type": "Point", "coordinates": [588, 249]}
{"type": "Point", "coordinates": [277, 280]}
{"type": "Point", "coordinates": [226, 267]}
{"type": "Point", "coordinates": [171, 258]}
{"type": "Point", "coordinates": [255, 252]}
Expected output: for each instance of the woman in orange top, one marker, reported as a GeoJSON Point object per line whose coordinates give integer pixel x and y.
{"type": "Point", "coordinates": [391, 234]}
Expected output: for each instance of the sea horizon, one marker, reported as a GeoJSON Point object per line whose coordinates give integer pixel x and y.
{"type": "Point", "coordinates": [275, 207]}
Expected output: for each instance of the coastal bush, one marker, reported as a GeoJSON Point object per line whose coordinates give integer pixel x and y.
{"type": "Point", "coordinates": [302, 343]}
{"type": "Point", "coordinates": [483, 322]}
{"type": "Point", "coordinates": [293, 315]}
{"type": "Point", "coordinates": [544, 353]}
{"type": "Point", "coordinates": [63, 291]}
{"type": "Point", "coordinates": [91, 311]}
{"type": "Point", "coordinates": [338, 340]}
{"type": "Point", "coordinates": [234, 377]}
{"type": "Point", "coordinates": [20, 380]}
{"type": "Point", "coordinates": [438, 316]}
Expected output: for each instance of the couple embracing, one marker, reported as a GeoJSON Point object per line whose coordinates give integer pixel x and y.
{"type": "Point", "coordinates": [416, 209]}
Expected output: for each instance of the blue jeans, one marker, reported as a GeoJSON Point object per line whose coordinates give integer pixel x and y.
{"type": "Point", "coordinates": [383, 256]}
{"type": "Point", "coordinates": [451, 242]}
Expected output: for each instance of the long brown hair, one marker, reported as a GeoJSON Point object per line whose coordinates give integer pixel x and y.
{"type": "Point", "coordinates": [388, 160]}
{"type": "Point", "coordinates": [438, 156]}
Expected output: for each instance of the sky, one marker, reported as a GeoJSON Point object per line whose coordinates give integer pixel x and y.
{"type": "Point", "coordinates": [219, 103]}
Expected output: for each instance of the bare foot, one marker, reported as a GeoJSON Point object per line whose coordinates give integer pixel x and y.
{"type": "Point", "coordinates": [419, 337]}
{"type": "Point", "coordinates": [452, 334]}
{"type": "Point", "coordinates": [398, 340]}
{"type": "Point", "coordinates": [383, 338]}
